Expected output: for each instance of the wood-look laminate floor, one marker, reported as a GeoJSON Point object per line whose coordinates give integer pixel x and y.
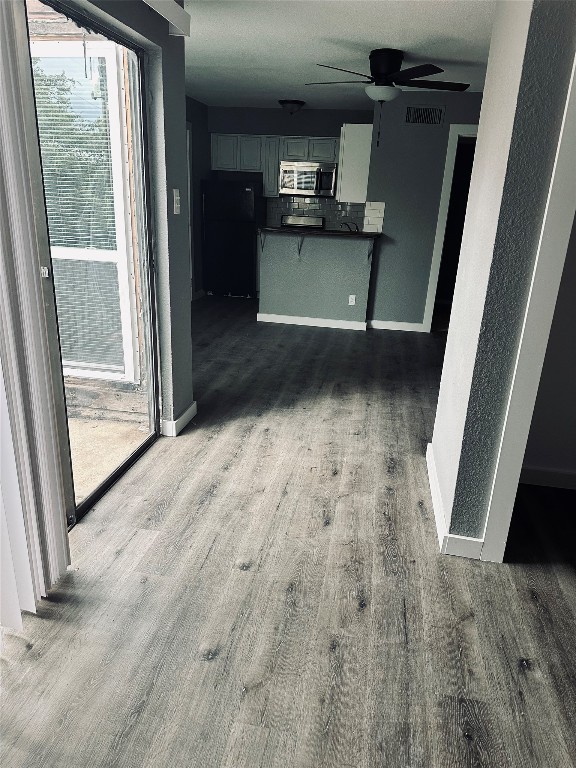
{"type": "Point", "coordinates": [265, 591]}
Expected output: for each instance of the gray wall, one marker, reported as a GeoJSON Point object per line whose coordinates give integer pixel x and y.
{"type": "Point", "coordinates": [406, 173]}
{"type": "Point", "coordinates": [164, 69]}
{"type": "Point", "coordinates": [197, 117]}
{"type": "Point", "coordinates": [550, 457]}
{"type": "Point", "coordinates": [277, 122]}
{"type": "Point", "coordinates": [526, 84]}
{"type": "Point", "coordinates": [312, 276]}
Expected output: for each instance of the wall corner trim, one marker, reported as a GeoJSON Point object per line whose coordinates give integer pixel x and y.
{"type": "Point", "coordinates": [178, 19]}
{"type": "Point", "coordinates": [173, 428]}
{"type": "Point", "coordinates": [437, 506]}
{"type": "Point", "coordinates": [449, 543]}
{"type": "Point", "coordinates": [316, 322]}
{"type": "Point", "coordinates": [391, 325]}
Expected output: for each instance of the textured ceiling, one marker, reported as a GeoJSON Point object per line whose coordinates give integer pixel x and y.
{"type": "Point", "coordinates": [254, 53]}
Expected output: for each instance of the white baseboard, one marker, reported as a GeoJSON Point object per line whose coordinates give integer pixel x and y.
{"type": "Point", "coordinates": [389, 325]}
{"type": "Point", "coordinates": [463, 546]}
{"type": "Point", "coordinates": [553, 478]}
{"type": "Point", "coordinates": [316, 322]}
{"type": "Point", "coordinates": [173, 428]}
{"type": "Point", "coordinates": [449, 543]}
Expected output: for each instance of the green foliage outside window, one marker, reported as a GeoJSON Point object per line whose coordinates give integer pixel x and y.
{"type": "Point", "coordinates": [74, 131]}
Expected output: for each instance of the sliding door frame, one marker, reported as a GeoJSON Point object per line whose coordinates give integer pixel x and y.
{"type": "Point", "coordinates": [75, 512]}
{"type": "Point", "coordinates": [33, 377]}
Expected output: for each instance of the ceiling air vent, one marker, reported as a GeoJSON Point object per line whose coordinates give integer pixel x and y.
{"type": "Point", "coordinates": [425, 115]}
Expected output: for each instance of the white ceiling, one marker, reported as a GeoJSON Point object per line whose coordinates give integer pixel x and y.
{"type": "Point", "coordinates": [251, 53]}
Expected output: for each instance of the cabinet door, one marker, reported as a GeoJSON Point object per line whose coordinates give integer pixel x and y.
{"type": "Point", "coordinates": [322, 150]}
{"type": "Point", "coordinates": [224, 152]}
{"type": "Point", "coordinates": [294, 148]}
{"type": "Point", "coordinates": [354, 163]}
{"type": "Point", "coordinates": [271, 165]}
{"type": "Point", "coordinates": [250, 152]}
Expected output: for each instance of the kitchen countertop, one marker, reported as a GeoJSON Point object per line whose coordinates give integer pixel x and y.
{"type": "Point", "coordinates": [317, 232]}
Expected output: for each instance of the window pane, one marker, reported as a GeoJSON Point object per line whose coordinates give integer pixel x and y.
{"type": "Point", "coordinates": [73, 122]}
{"type": "Point", "coordinates": [89, 314]}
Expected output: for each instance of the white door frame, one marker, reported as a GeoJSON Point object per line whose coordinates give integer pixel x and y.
{"type": "Point", "coordinates": [456, 131]}
{"type": "Point", "coordinates": [539, 312]}
{"type": "Point", "coordinates": [190, 229]}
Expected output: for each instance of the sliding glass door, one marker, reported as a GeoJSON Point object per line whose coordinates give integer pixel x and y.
{"type": "Point", "coordinates": [89, 114]}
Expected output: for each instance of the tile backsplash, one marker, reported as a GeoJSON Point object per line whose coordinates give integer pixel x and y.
{"type": "Point", "coordinates": [373, 217]}
{"type": "Point", "coordinates": [334, 213]}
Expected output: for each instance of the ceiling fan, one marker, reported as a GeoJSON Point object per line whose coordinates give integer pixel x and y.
{"type": "Point", "coordinates": [385, 76]}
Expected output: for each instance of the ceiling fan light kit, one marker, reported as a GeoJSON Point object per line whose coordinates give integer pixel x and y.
{"type": "Point", "coordinates": [386, 74]}
{"type": "Point", "coordinates": [291, 105]}
{"type": "Point", "coordinates": [382, 92]}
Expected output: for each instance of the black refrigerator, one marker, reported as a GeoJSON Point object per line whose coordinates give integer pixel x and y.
{"type": "Point", "coordinates": [233, 208]}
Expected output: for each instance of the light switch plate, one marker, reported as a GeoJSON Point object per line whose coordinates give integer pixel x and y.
{"type": "Point", "coordinates": [176, 198]}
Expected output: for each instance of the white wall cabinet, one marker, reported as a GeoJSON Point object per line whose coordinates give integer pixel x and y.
{"type": "Point", "coordinates": [319, 150]}
{"type": "Point", "coordinates": [271, 164]}
{"type": "Point", "coordinates": [354, 163]}
{"type": "Point", "coordinates": [248, 152]}
{"type": "Point", "coordinates": [294, 148]}
{"type": "Point", "coordinates": [224, 152]}
{"type": "Point", "coordinates": [323, 150]}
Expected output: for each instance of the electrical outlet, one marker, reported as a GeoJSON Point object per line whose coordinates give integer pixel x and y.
{"type": "Point", "coordinates": [176, 201]}
{"type": "Point", "coordinates": [351, 300]}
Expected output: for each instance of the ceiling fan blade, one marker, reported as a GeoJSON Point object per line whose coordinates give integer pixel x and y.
{"type": "Point", "coordinates": [340, 82]}
{"type": "Point", "coordinates": [437, 85]}
{"type": "Point", "coordinates": [350, 71]}
{"type": "Point", "coordinates": [423, 70]}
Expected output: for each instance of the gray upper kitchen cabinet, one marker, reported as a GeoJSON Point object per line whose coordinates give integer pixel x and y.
{"type": "Point", "coordinates": [294, 148]}
{"type": "Point", "coordinates": [250, 153]}
{"type": "Point", "coordinates": [224, 152]}
{"type": "Point", "coordinates": [318, 150]}
{"type": "Point", "coordinates": [271, 161]}
{"type": "Point", "coordinates": [253, 152]}
{"type": "Point", "coordinates": [323, 150]}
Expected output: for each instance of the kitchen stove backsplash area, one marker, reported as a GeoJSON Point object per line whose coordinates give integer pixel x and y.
{"type": "Point", "coordinates": [335, 213]}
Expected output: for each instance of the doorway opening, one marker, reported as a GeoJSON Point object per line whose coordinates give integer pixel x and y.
{"type": "Point", "coordinates": [458, 202]}
{"type": "Point", "coordinates": [90, 123]}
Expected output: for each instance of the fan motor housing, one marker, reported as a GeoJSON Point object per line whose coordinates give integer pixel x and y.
{"type": "Point", "coordinates": [383, 62]}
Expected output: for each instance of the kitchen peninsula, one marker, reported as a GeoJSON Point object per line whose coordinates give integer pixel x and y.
{"type": "Point", "coordinates": [314, 277]}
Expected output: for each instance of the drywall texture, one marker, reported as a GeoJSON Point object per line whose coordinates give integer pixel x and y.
{"type": "Point", "coordinates": [492, 146]}
{"type": "Point", "coordinates": [197, 119]}
{"type": "Point", "coordinates": [277, 122]}
{"type": "Point", "coordinates": [406, 173]}
{"type": "Point", "coordinates": [550, 457]}
{"type": "Point", "coordinates": [312, 276]}
{"type": "Point", "coordinates": [165, 108]}
{"type": "Point", "coordinates": [526, 86]}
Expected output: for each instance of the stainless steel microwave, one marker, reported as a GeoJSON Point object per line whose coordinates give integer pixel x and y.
{"type": "Point", "coordinates": [307, 179]}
